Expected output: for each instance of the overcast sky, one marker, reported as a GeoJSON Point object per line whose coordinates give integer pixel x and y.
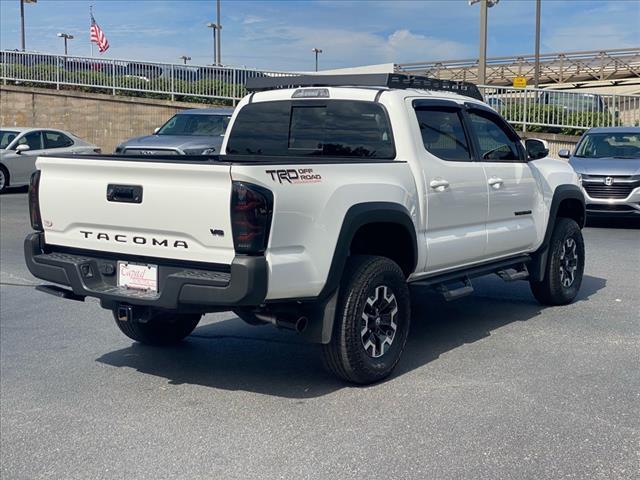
{"type": "Point", "coordinates": [280, 34]}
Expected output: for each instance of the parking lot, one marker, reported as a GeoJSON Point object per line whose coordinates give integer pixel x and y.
{"type": "Point", "coordinates": [491, 386]}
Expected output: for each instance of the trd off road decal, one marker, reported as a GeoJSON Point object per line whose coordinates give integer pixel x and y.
{"type": "Point", "coordinates": [292, 175]}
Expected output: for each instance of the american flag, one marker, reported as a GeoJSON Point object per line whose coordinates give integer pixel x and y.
{"type": "Point", "coordinates": [98, 37]}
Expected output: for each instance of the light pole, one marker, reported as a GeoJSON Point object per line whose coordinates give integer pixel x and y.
{"type": "Point", "coordinates": [316, 51]}
{"type": "Point", "coordinates": [482, 60]}
{"type": "Point", "coordinates": [22, 2]}
{"type": "Point", "coordinates": [536, 74]}
{"type": "Point", "coordinates": [219, 28]}
{"type": "Point", "coordinates": [214, 27]}
{"type": "Point", "coordinates": [185, 59]}
{"type": "Point", "coordinates": [66, 37]}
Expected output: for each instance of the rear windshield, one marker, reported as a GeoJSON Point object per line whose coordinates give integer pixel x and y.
{"type": "Point", "coordinates": [335, 128]}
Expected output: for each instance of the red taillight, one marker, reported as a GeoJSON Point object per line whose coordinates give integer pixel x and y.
{"type": "Point", "coordinates": [34, 201]}
{"type": "Point", "coordinates": [251, 210]}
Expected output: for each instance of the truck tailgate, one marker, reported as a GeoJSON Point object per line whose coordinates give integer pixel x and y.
{"type": "Point", "coordinates": [183, 211]}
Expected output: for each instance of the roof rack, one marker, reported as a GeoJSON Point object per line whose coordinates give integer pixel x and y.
{"type": "Point", "coordinates": [389, 80]}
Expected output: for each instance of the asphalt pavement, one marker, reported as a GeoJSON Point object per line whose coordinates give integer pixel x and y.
{"type": "Point", "coordinates": [492, 386]}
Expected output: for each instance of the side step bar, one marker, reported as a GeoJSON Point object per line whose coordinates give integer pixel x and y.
{"type": "Point", "coordinates": [508, 270]}
{"type": "Point", "coordinates": [456, 293]}
{"type": "Point", "coordinates": [513, 274]}
{"type": "Point", "coordinates": [60, 292]}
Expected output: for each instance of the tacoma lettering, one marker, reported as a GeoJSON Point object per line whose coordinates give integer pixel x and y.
{"type": "Point", "coordinates": [138, 240]}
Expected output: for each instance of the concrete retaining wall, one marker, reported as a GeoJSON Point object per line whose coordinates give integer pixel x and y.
{"type": "Point", "coordinates": [105, 120]}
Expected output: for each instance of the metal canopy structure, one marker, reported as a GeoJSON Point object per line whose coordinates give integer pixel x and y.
{"type": "Point", "coordinates": [555, 68]}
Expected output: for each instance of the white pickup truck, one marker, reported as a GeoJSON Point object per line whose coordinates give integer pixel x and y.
{"type": "Point", "coordinates": [333, 195]}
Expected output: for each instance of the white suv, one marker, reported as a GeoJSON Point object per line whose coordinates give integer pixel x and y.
{"type": "Point", "coordinates": [333, 196]}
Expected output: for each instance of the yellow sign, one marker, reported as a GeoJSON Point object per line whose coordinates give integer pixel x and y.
{"type": "Point", "coordinates": [519, 82]}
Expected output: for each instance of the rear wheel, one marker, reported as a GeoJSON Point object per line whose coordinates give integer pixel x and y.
{"type": "Point", "coordinates": [565, 265]}
{"type": "Point", "coordinates": [4, 179]}
{"type": "Point", "coordinates": [159, 329]}
{"type": "Point", "coordinates": [372, 321]}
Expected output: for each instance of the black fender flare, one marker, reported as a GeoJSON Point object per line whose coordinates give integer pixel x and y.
{"type": "Point", "coordinates": [539, 257]}
{"type": "Point", "coordinates": [322, 311]}
{"type": "Point", "coordinates": [356, 217]}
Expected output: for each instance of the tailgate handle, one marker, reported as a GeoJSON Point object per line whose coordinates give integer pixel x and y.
{"type": "Point", "coordinates": [124, 193]}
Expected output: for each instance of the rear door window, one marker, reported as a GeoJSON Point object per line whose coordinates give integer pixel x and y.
{"type": "Point", "coordinates": [56, 140]}
{"type": "Point", "coordinates": [335, 128]}
{"type": "Point", "coordinates": [443, 134]}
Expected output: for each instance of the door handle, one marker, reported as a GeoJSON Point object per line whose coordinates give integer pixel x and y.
{"type": "Point", "coordinates": [496, 182]}
{"type": "Point", "coordinates": [439, 184]}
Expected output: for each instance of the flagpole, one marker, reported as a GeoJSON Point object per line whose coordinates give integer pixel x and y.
{"type": "Point", "coordinates": [90, 25]}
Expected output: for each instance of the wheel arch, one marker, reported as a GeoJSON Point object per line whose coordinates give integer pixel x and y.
{"type": "Point", "coordinates": [567, 202]}
{"type": "Point", "coordinates": [382, 221]}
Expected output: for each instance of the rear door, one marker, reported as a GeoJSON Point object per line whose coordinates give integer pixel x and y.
{"type": "Point", "coordinates": [457, 196]}
{"type": "Point", "coordinates": [512, 187]}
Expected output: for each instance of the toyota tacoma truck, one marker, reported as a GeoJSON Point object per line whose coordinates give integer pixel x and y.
{"type": "Point", "coordinates": [333, 196]}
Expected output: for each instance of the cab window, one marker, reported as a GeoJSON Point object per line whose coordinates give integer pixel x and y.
{"type": "Point", "coordinates": [495, 140]}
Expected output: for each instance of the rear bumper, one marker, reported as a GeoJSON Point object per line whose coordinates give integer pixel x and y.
{"type": "Point", "coordinates": [180, 287]}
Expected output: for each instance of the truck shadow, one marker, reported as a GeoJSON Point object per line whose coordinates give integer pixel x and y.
{"type": "Point", "coordinates": [230, 355]}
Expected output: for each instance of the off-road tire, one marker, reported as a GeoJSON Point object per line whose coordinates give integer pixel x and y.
{"type": "Point", "coordinates": [160, 329]}
{"type": "Point", "coordinates": [345, 355]}
{"type": "Point", "coordinates": [552, 291]}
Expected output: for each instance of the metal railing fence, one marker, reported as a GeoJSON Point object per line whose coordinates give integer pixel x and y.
{"type": "Point", "coordinates": [562, 111]}
{"type": "Point", "coordinates": [150, 79]}
{"type": "Point", "coordinates": [555, 111]}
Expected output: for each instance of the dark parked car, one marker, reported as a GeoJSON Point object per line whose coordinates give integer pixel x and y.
{"type": "Point", "coordinates": [608, 162]}
{"type": "Point", "coordinates": [574, 102]}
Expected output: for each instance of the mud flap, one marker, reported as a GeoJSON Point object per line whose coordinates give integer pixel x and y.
{"type": "Point", "coordinates": [321, 320]}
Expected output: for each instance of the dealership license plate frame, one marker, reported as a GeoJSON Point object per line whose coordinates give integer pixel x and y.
{"type": "Point", "coordinates": [144, 278]}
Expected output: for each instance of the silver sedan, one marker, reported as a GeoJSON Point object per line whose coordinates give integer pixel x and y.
{"type": "Point", "coordinates": [19, 148]}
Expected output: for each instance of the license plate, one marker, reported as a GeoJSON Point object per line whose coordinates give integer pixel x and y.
{"type": "Point", "coordinates": [138, 276]}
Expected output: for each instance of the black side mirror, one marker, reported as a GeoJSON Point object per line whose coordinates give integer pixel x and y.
{"type": "Point", "coordinates": [536, 148]}
{"type": "Point", "coordinates": [564, 153]}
